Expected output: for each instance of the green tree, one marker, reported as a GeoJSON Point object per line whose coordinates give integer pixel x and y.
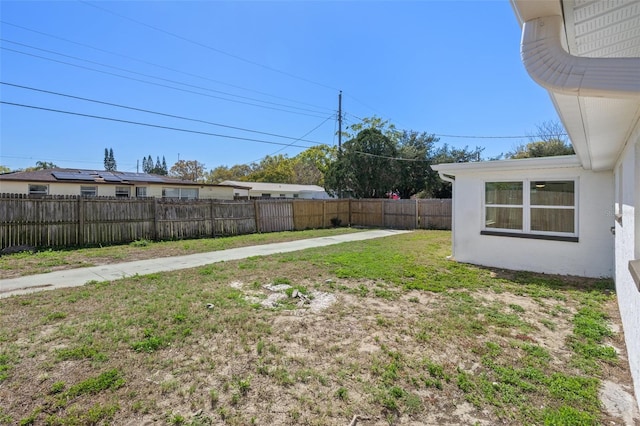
{"type": "Point", "coordinates": [41, 165]}
{"type": "Point", "coordinates": [366, 168]}
{"type": "Point", "coordinates": [4, 169]}
{"type": "Point", "coordinates": [310, 166]}
{"type": "Point", "coordinates": [109, 160]}
{"type": "Point", "coordinates": [188, 170]}
{"type": "Point", "coordinates": [549, 140]}
{"type": "Point", "coordinates": [222, 173]}
{"type": "Point", "coordinates": [384, 126]}
{"type": "Point", "coordinates": [436, 187]}
{"type": "Point", "coordinates": [415, 152]}
{"type": "Point", "coordinates": [275, 169]}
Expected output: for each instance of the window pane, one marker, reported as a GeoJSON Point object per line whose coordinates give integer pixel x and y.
{"type": "Point", "coordinates": [122, 191]}
{"type": "Point", "coordinates": [553, 220]}
{"type": "Point", "coordinates": [141, 191]}
{"type": "Point", "coordinates": [171, 192]}
{"type": "Point", "coordinates": [504, 217]}
{"type": "Point", "coordinates": [38, 189]}
{"type": "Point", "coordinates": [503, 193]}
{"type": "Point", "coordinates": [188, 193]}
{"type": "Point", "coordinates": [88, 191]}
{"type": "Point", "coordinates": [552, 193]}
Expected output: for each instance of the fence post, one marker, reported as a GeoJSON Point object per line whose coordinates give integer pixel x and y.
{"type": "Point", "coordinates": [349, 212]}
{"type": "Point", "coordinates": [155, 219]}
{"type": "Point", "coordinates": [384, 201]}
{"type": "Point", "coordinates": [417, 225]}
{"type": "Point", "coordinates": [324, 213]}
{"type": "Point", "coordinates": [213, 219]}
{"type": "Point", "coordinates": [256, 210]}
{"type": "Point", "coordinates": [80, 233]}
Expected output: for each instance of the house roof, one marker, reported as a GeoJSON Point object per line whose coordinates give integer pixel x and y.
{"type": "Point", "coordinates": [598, 126]}
{"type": "Point", "coordinates": [561, 161]}
{"type": "Point", "coordinates": [274, 187]}
{"type": "Point", "coordinates": [63, 175]}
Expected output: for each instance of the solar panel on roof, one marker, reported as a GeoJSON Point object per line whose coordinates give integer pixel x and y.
{"type": "Point", "coordinates": [140, 177]}
{"type": "Point", "coordinates": [110, 177]}
{"type": "Point", "coordinates": [73, 176]}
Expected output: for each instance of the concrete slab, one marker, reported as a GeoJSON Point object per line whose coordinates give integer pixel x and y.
{"type": "Point", "coordinates": [79, 277]}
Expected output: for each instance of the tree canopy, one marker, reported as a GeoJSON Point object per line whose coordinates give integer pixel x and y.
{"type": "Point", "coordinates": [157, 169]}
{"type": "Point", "coordinates": [188, 170]}
{"type": "Point", "coordinates": [109, 160]}
{"type": "Point", "coordinates": [549, 140]}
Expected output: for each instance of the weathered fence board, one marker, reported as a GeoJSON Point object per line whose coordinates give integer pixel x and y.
{"type": "Point", "coordinates": [401, 214]}
{"type": "Point", "coordinates": [435, 214]}
{"type": "Point", "coordinates": [234, 217]}
{"type": "Point", "coordinates": [367, 213]}
{"type": "Point", "coordinates": [274, 216]}
{"type": "Point", "coordinates": [76, 221]}
{"type": "Point", "coordinates": [308, 214]}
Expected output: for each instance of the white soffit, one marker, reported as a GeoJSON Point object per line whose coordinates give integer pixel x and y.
{"type": "Point", "coordinates": [604, 29]}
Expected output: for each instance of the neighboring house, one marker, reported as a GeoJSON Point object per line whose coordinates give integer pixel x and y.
{"type": "Point", "coordinates": [277, 190]}
{"type": "Point", "coordinates": [573, 214]}
{"type": "Point", "coordinates": [92, 183]}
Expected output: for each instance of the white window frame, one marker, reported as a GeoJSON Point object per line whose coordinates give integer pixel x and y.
{"type": "Point", "coordinates": [120, 192]}
{"type": "Point", "coordinates": [141, 191]}
{"type": "Point", "coordinates": [88, 191]}
{"type": "Point", "coordinates": [180, 195]}
{"type": "Point", "coordinates": [38, 191]}
{"type": "Point", "coordinates": [526, 208]}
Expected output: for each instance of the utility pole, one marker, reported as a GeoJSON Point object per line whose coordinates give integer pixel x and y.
{"type": "Point", "coordinates": [340, 122]}
{"type": "Point", "coordinates": [339, 141]}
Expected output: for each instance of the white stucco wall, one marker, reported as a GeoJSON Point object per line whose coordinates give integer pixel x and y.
{"type": "Point", "coordinates": [591, 256]}
{"type": "Point", "coordinates": [627, 248]}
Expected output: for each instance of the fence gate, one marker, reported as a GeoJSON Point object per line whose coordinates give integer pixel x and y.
{"type": "Point", "coordinates": [274, 216]}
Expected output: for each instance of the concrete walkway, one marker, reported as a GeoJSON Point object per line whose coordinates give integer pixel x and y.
{"type": "Point", "coordinates": [81, 276]}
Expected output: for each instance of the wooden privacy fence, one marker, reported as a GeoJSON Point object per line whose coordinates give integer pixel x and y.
{"type": "Point", "coordinates": [58, 221]}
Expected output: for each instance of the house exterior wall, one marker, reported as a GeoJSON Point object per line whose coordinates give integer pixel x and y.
{"type": "Point", "coordinates": [591, 256]}
{"type": "Point", "coordinates": [627, 248]}
{"type": "Point", "coordinates": [8, 187]}
{"type": "Point", "coordinates": [153, 190]}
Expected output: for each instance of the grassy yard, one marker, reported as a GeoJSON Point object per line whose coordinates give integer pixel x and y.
{"type": "Point", "coordinates": [388, 330]}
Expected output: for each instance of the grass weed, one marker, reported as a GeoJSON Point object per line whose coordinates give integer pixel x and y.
{"type": "Point", "coordinates": [410, 336]}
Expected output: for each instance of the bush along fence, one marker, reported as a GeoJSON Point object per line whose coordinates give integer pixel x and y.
{"type": "Point", "coordinates": [67, 221]}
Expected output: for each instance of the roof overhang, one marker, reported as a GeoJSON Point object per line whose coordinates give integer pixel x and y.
{"type": "Point", "coordinates": [587, 55]}
{"type": "Point", "coordinates": [562, 161]}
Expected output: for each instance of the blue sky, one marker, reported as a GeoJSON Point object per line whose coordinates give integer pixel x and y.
{"type": "Point", "coordinates": [450, 68]}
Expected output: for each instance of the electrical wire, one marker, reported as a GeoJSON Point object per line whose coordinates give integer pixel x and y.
{"type": "Point", "coordinates": [131, 58]}
{"type": "Point", "coordinates": [162, 114]}
{"type": "Point", "coordinates": [159, 84]}
{"type": "Point", "coordinates": [299, 139]}
{"type": "Point", "coordinates": [197, 43]}
{"type": "Point", "coordinates": [151, 76]}
{"type": "Point", "coordinates": [157, 126]}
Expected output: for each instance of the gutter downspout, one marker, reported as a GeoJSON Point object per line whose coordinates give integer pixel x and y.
{"type": "Point", "coordinates": [552, 67]}
{"type": "Point", "coordinates": [452, 181]}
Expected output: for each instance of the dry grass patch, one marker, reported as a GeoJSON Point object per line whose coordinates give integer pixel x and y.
{"type": "Point", "coordinates": [403, 336]}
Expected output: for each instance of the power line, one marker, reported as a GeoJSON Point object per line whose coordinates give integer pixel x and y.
{"type": "Point", "coordinates": [149, 76]}
{"type": "Point", "coordinates": [197, 43]}
{"type": "Point", "coordinates": [299, 139]}
{"type": "Point", "coordinates": [162, 66]}
{"type": "Point", "coordinates": [163, 114]}
{"type": "Point", "coordinates": [159, 84]}
{"type": "Point", "coordinates": [157, 126]}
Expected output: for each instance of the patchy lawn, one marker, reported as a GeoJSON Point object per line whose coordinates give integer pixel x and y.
{"type": "Point", "coordinates": [387, 330]}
